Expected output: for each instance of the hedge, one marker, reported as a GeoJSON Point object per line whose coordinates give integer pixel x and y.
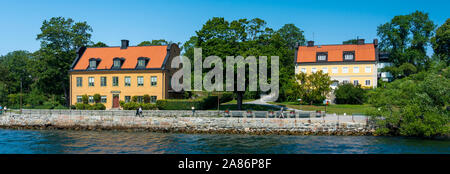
{"type": "Point", "coordinates": [135, 105]}
{"type": "Point", "coordinates": [97, 106]}
{"type": "Point", "coordinates": [187, 104]}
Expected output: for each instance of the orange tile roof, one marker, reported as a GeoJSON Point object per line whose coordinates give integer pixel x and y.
{"type": "Point", "coordinates": [365, 52]}
{"type": "Point", "coordinates": [131, 54]}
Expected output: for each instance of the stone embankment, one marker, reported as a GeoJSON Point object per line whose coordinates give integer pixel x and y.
{"type": "Point", "coordinates": [183, 121]}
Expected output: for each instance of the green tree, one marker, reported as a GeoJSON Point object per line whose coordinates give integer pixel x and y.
{"type": "Point", "coordinates": [97, 98]}
{"type": "Point", "coordinates": [351, 41]}
{"type": "Point", "coordinates": [292, 35]}
{"type": "Point", "coordinates": [60, 38]}
{"type": "Point", "coordinates": [245, 37]}
{"type": "Point", "coordinates": [146, 98]}
{"type": "Point", "coordinates": [406, 37]}
{"type": "Point", "coordinates": [155, 42]}
{"type": "Point", "coordinates": [313, 88]}
{"type": "Point", "coordinates": [349, 94]}
{"type": "Point", "coordinates": [413, 106]}
{"type": "Point", "coordinates": [16, 70]}
{"type": "Point", "coordinates": [85, 99]}
{"type": "Point", "coordinates": [99, 44]}
{"type": "Point", "coordinates": [441, 42]}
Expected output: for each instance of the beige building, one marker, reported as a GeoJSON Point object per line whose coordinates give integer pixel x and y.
{"type": "Point", "coordinates": [349, 63]}
{"type": "Point", "coordinates": [119, 73]}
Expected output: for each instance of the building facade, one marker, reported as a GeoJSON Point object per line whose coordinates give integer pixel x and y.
{"type": "Point", "coordinates": [349, 63]}
{"type": "Point", "coordinates": [119, 73]}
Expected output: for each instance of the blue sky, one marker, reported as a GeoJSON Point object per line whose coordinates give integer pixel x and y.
{"type": "Point", "coordinates": [331, 21]}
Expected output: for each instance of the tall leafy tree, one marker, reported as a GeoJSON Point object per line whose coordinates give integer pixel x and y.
{"type": "Point", "coordinates": [406, 37]}
{"type": "Point", "coordinates": [99, 44]}
{"type": "Point", "coordinates": [244, 37]}
{"type": "Point", "coordinates": [60, 38]}
{"type": "Point", "coordinates": [292, 35]}
{"type": "Point", "coordinates": [441, 42]}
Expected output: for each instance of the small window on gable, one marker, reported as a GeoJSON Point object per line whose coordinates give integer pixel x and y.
{"type": "Point", "coordinates": [349, 55]}
{"type": "Point", "coordinates": [322, 56]}
{"type": "Point", "coordinates": [93, 63]}
{"type": "Point", "coordinates": [117, 63]}
{"type": "Point", "coordinates": [142, 62]}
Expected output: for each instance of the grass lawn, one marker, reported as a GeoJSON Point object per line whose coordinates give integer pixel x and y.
{"type": "Point", "coordinates": [232, 105]}
{"type": "Point", "coordinates": [334, 108]}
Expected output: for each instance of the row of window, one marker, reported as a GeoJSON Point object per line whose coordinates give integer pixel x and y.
{"type": "Point", "coordinates": [140, 99]}
{"type": "Point", "coordinates": [115, 81]}
{"type": "Point", "coordinates": [117, 62]}
{"type": "Point", "coordinates": [334, 70]}
{"type": "Point", "coordinates": [91, 99]}
{"type": "Point", "coordinates": [355, 82]}
{"type": "Point", "coordinates": [347, 56]}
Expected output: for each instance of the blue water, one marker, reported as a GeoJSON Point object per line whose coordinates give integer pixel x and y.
{"type": "Point", "coordinates": [114, 142]}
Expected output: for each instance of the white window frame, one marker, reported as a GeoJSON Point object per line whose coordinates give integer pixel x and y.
{"type": "Point", "coordinates": [91, 81]}
{"type": "Point", "coordinates": [79, 99]}
{"type": "Point", "coordinates": [355, 69]}
{"type": "Point", "coordinates": [325, 69]}
{"type": "Point", "coordinates": [313, 70]}
{"type": "Point", "coordinates": [91, 99]}
{"type": "Point", "coordinates": [344, 69]}
{"type": "Point", "coordinates": [154, 79]}
{"type": "Point", "coordinates": [303, 70]}
{"type": "Point", "coordinates": [140, 81]}
{"type": "Point", "coordinates": [335, 70]}
{"type": "Point", "coordinates": [367, 84]}
{"type": "Point", "coordinates": [103, 99]}
{"type": "Point", "coordinates": [368, 69]}
{"type": "Point", "coordinates": [127, 81]}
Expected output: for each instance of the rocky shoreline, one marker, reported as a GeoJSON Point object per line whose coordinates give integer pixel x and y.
{"type": "Point", "coordinates": [203, 125]}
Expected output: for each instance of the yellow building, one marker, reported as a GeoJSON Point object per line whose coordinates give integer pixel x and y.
{"type": "Point", "coordinates": [349, 63]}
{"type": "Point", "coordinates": [119, 73]}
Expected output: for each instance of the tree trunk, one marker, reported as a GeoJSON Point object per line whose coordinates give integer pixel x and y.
{"type": "Point", "coordinates": [66, 95]}
{"type": "Point", "coordinates": [239, 100]}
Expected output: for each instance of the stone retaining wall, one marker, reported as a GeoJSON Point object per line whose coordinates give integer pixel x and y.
{"type": "Point", "coordinates": [200, 124]}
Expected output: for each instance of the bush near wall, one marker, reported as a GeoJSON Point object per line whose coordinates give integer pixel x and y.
{"type": "Point", "coordinates": [97, 106]}
{"type": "Point", "coordinates": [187, 104]}
{"type": "Point", "coordinates": [135, 105]}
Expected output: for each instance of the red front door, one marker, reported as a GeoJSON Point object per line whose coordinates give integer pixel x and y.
{"type": "Point", "coordinates": [115, 101]}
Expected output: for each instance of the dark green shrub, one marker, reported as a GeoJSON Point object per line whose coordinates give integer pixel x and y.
{"type": "Point", "coordinates": [97, 98]}
{"type": "Point", "coordinates": [60, 107]}
{"type": "Point", "coordinates": [187, 104]}
{"type": "Point", "coordinates": [149, 106]}
{"type": "Point", "coordinates": [134, 99]}
{"type": "Point", "coordinates": [131, 106]}
{"type": "Point", "coordinates": [97, 106]}
{"type": "Point", "coordinates": [226, 97]}
{"type": "Point", "coordinates": [82, 106]}
{"type": "Point", "coordinates": [349, 94]}
{"type": "Point", "coordinates": [146, 98]}
{"type": "Point", "coordinates": [85, 99]}
{"type": "Point", "coordinates": [121, 103]}
{"type": "Point", "coordinates": [134, 106]}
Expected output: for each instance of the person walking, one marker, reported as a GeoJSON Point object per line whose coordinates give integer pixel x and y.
{"type": "Point", "coordinates": [140, 111]}
{"type": "Point", "coordinates": [137, 111]}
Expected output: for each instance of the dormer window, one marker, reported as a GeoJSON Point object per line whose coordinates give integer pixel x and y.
{"type": "Point", "coordinates": [142, 62]}
{"type": "Point", "coordinates": [349, 55]}
{"type": "Point", "coordinates": [322, 56]}
{"type": "Point", "coordinates": [117, 63]}
{"type": "Point", "coordinates": [93, 63]}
